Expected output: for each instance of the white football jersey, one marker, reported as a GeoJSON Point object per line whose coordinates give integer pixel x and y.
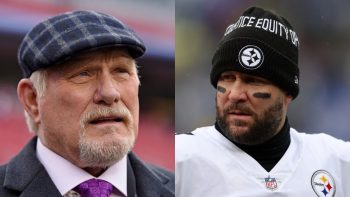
{"type": "Point", "coordinates": [209, 165]}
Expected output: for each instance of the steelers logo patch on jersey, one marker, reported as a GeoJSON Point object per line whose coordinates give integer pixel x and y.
{"type": "Point", "coordinates": [251, 57]}
{"type": "Point", "coordinates": [323, 183]}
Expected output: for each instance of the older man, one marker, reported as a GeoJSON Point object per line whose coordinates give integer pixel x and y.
{"type": "Point", "coordinates": [80, 95]}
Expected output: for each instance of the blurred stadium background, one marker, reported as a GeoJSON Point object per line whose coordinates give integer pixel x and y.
{"type": "Point", "coordinates": [323, 28]}
{"type": "Point", "coordinates": [153, 20]}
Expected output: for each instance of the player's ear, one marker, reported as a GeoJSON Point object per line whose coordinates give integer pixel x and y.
{"type": "Point", "coordinates": [28, 97]}
{"type": "Point", "coordinates": [288, 98]}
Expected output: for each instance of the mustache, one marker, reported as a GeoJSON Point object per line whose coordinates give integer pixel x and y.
{"type": "Point", "coordinates": [120, 111]}
{"type": "Point", "coordinates": [238, 106]}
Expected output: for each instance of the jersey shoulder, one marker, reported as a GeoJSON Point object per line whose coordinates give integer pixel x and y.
{"type": "Point", "coordinates": [320, 139]}
{"type": "Point", "coordinates": [188, 144]}
{"type": "Point", "coordinates": [324, 143]}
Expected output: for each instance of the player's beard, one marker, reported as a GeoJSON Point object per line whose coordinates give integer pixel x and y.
{"type": "Point", "coordinates": [264, 126]}
{"type": "Point", "coordinates": [97, 153]}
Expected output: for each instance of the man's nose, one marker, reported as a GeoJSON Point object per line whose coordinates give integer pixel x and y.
{"type": "Point", "coordinates": [237, 91]}
{"type": "Point", "coordinates": [107, 92]}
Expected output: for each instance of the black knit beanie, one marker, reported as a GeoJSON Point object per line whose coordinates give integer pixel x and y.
{"type": "Point", "coordinates": [263, 44]}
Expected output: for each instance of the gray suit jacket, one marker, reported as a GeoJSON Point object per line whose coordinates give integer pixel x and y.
{"type": "Point", "coordinates": [25, 176]}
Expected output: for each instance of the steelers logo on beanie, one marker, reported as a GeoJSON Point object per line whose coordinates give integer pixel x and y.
{"type": "Point", "coordinates": [263, 44]}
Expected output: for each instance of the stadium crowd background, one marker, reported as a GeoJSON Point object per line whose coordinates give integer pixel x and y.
{"type": "Point", "coordinates": [323, 28]}
{"type": "Point", "coordinates": [153, 20]}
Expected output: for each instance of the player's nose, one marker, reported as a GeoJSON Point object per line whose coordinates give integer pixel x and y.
{"type": "Point", "coordinates": [237, 91]}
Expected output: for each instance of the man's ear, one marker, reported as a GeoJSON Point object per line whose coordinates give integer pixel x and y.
{"type": "Point", "coordinates": [28, 97]}
{"type": "Point", "coordinates": [288, 98]}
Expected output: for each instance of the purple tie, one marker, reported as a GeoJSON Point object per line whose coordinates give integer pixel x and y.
{"type": "Point", "coordinates": [94, 188]}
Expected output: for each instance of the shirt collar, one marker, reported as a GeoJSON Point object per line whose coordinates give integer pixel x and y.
{"type": "Point", "coordinates": [66, 175]}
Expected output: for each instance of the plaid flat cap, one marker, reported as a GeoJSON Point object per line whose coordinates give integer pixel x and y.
{"type": "Point", "coordinates": [56, 39]}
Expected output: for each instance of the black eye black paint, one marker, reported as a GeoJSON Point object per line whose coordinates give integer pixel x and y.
{"type": "Point", "coordinates": [262, 95]}
{"type": "Point", "coordinates": [221, 89]}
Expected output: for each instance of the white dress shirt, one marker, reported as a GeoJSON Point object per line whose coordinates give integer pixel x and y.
{"type": "Point", "coordinates": [67, 176]}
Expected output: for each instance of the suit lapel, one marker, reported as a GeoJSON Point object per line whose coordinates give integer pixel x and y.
{"type": "Point", "coordinates": [149, 184]}
{"type": "Point", "coordinates": [26, 175]}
